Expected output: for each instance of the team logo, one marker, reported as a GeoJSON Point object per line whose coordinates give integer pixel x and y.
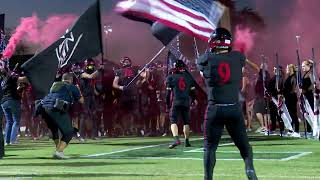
{"type": "Point", "coordinates": [66, 49]}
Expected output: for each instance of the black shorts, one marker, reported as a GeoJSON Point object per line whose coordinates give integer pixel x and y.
{"type": "Point", "coordinates": [259, 106]}
{"type": "Point", "coordinates": [180, 111]}
{"type": "Point", "coordinates": [57, 121]}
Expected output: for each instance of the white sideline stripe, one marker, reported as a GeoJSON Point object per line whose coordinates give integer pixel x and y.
{"type": "Point", "coordinates": [27, 174]}
{"type": "Point", "coordinates": [131, 149]}
{"type": "Point", "coordinates": [296, 156]}
{"type": "Point", "coordinates": [226, 144]}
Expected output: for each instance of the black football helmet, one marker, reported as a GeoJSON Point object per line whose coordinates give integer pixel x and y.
{"type": "Point", "coordinates": [90, 66]}
{"type": "Point", "coordinates": [179, 66]}
{"type": "Point", "coordinates": [220, 39]}
{"type": "Point", "coordinates": [125, 62]}
{"type": "Point", "coordinates": [76, 68]}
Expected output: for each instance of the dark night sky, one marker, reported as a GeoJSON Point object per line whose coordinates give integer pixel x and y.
{"type": "Point", "coordinates": [120, 42]}
{"type": "Point", "coordinates": [284, 18]}
{"type": "Point", "coordinates": [15, 9]}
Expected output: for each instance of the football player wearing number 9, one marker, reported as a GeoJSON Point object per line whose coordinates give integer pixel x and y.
{"type": "Point", "coordinates": [222, 71]}
{"type": "Point", "coordinates": [182, 86]}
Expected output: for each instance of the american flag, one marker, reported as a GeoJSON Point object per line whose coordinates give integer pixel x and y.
{"type": "Point", "coordinates": [198, 18]}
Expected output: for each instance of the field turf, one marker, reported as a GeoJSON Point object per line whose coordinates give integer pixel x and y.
{"type": "Point", "coordinates": [149, 158]}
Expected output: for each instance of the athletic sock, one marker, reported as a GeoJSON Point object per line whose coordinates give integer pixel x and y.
{"type": "Point", "coordinates": [176, 138]}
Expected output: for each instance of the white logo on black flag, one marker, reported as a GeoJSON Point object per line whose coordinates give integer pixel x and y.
{"type": "Point", "coordinates": [80, 42]}
{"type": "Point", "coordinates": [65, 50]}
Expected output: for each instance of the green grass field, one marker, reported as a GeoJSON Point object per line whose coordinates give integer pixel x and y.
{"type": "Point", "coordinates": [149, 158]}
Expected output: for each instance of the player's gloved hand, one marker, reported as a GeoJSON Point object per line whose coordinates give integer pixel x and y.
{"type": "Point", "coordinates": [122, 88]}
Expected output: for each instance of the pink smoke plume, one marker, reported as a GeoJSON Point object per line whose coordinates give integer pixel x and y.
{"type": "Point", "coordinates": [285, 20]}
{"type": "Point", "coordinates": [244, 39]}
{"type": "Point", "coordinates": [52, 29]}
{"type": "Point", "coordinates": [28, 24]}
{"type": "Point", "coordinates": [41, 33]}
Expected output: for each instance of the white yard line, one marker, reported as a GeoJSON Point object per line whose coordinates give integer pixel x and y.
{"type": "Point", "coordinates": [296, 156]}
{"type": "Point", "coordinates": [226, 144]}
{"type": "Point", "coordinates": [132, 149]}
{"type": "Point", "coordinates": [124, 150]}
{"type": "Point", "coordinates": [201, 149]}
{"type": "Point", "coordinates": [194, 150]}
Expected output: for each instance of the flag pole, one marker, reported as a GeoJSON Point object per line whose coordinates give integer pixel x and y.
{"type": "Point", "coordinates": [299, 84]}
{"type": "Point", "coordinates": [197, 54]}
{"type": "Point", "coordinates": [264, 79]}
{"type": "Point", "coordinates": [154, 58]}
{"type": "Point", "coordinates": [316, 94]}
{"type": "Point", "coordinates": [100, 31]}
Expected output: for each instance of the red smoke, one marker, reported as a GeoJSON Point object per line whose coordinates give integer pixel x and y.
{"type": "Point", "coordinates": [41, 33]}
{"type": "Point", "coordinates": [285, 20]}
{"type": "Point", "coordinates": [51, 29]}
{"type": "Point", "coordinates": [128, 38]}
{"type": "Point", "coordinates": [244, 39]}
{"type": "Point", "coordinates": [28, 24]}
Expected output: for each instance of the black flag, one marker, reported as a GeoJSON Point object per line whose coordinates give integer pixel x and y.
{"type": "Point", "coordinates": [2, 22]}
{"type": "Point", "coordinates": [80, 42]}
{"type": "Point", "coordinates": [163, 33]}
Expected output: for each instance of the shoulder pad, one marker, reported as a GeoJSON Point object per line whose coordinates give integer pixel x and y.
{"type": "Point", "coordinates": [203, 60]}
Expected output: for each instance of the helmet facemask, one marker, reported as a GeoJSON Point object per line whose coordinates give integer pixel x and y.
{"type": "Point", "coordinates": [76, 69]}
{"type": "Point", "coordinates": [220, 40]}
{"type": "Point", "coordinates": [179, 66]}
{"type": "Point", "coordinates": [90, 69]}
{"type": "Point", "coordinates": [126, 62]}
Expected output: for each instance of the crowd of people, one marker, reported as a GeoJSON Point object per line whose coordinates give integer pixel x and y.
{"type": "Point", "coordinates": [110, 108]}
{"type": "Point", "coordinates": [285, 86]}
{"type": "Point", "coordinates": [89, 101]}
{"type": "Point", "coordinates": [116, 104]}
